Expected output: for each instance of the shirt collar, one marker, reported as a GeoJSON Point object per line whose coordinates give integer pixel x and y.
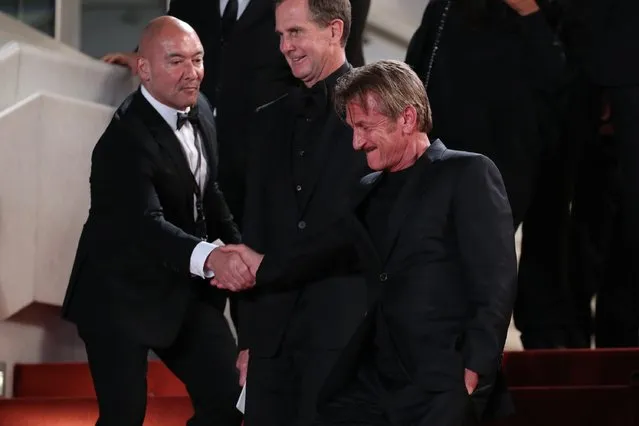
{"type": "Point", "coordinates": [331, 80]}
{"type": "Point", "coordinates": [168, 113]}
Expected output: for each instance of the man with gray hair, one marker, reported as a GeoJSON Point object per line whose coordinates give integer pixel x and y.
{"type": "Point", "coordinates": [432, 230]}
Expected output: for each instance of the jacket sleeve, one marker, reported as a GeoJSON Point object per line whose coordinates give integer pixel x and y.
{"type": "Point", "coordinates": [483, 221]}
{"type": "Point", "coordinates": [253, 226]}
{"type": "Point", "coordinates": [124, 200]}
{"type": "Point", "coordinates": [306, 260]}
{"type": "Point", "coordinates": [217, 208]}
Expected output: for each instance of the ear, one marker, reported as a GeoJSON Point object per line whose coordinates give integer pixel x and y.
{"type": "Point", "coordinates": [409, 119]}
{"type": "Point", "coordinates": [337, 30]}
{"type": "Point", "coordinates": [144, 69]}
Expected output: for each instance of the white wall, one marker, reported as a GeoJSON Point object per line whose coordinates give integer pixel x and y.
{"type": "Point", "coordinates": [398, 18]}
{"type": "Point", "coordinates": [45, 145]}
{"type": "Point", "coordinates": [44, 169]}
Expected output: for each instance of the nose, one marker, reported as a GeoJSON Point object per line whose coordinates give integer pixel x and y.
{"type": "Point", "coordinates": [358, 141]}
{"type": "Point", "coordinates": [285, 44]}
{"type": "Point", "coordinates": [191, 70]}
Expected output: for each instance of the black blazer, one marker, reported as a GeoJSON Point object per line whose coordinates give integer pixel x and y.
{"type": "Point", "coordinates": [446, 287]}
{"type": "Point", "coordinates": [132, 267]}
{"type": "Point", "coordinates": [274, 218]}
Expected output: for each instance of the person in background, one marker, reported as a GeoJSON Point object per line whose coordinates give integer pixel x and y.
{"type": "Point", "coordinates": [496, 66]}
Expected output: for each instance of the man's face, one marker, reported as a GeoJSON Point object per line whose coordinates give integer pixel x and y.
{"type": "Point", "coordinates": [174, 69]}
{"type": "Point", "coordinates": [379, 136]}
{"type": "Point", "coordinates": [305, 45]}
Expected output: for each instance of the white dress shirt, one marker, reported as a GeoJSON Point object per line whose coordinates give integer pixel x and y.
{"type": "Point", "coordinates": [241, 6]}
{"type": "Point", "coordinates": [186, 136]}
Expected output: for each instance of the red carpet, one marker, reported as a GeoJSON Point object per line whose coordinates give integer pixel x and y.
{"type": "Point", "coordinates": [164, 411]}
{"type": "Point", "coordinates": [575, 367]}
{"type": "Point", "coordinates": [574, 406]}
{"type": "Point", "coordinates": [73, 380]}
{"type": "Point", "coordinates": [563, 388]}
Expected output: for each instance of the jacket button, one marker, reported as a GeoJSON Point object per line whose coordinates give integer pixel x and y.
{"type": "Point", "coordinates": [301, 224]}
{"type": "Point", "coordinates": [383, 276]}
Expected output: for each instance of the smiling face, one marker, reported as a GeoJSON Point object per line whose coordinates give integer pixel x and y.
{"type": "Point", "coordinates": [379, 136]}
{"type": "Point", "coordinates": [171, 66]}
{"type": "Point", "coordinates": [312, 51]}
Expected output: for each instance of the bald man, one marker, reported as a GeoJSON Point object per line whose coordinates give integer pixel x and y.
{"type": "Point", "coordinates": [139, 281]}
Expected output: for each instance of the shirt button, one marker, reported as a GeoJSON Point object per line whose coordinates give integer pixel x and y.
{"type": "Point", "coordinates": [298, 188]}
{"type": "Point", "coordinates": [383, 276]}
{"type": "Point", "coordinates": [301, 224]}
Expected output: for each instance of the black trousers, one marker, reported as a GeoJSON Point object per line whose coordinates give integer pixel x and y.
{"type": "Point", "coordinates": [282, 390]}
{"type": "Point", "coordinates": [617, 320]}
{"type": "Point", "coordinates": [202, 357]}
{"type": "Point", "coordinates": [369, 401]}
{"type": "Point", "coordinates": [552, 307]}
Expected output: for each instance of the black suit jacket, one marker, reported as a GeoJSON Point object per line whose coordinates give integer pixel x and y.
{"type": "Point", "coordinates": [132, 267]}
{"type": "Point", "coordinates": [615, 52]}
{"type": "Point", "coordinates": [446, 287]}
{"type": "Point", "coordinates": [274, 218]}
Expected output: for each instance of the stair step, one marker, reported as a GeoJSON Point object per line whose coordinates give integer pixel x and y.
{"type": "Point", "coordinates": [161, 411]}
{"type": "Point", "coordinates": [573, 406]}
{"type": "Point", "coordinates": [73, 380]}
{"type": "Point", "coordinates": [571, 367]}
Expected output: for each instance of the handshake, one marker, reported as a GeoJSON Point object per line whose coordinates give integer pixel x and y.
{"type": "Point", "coordinates": [235, 267]}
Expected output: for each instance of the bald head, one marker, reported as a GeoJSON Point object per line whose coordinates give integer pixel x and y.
{"type": "Point", "coordinates": [170, 61]}
{"type": "Point", "coordinates": [160, 29]}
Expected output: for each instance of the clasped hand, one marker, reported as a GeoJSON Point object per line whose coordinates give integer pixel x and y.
{"type": "Point", "coordinates": [235, 267]}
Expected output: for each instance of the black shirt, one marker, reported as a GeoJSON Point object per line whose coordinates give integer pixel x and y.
{"type": "Point", "coordinates": [314, 106]}
{"type": "Point", "coordinates": [376, 216]}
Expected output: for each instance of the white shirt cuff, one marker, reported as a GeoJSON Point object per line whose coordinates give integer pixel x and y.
{"type": "Point", "coordinates": [198, 258]}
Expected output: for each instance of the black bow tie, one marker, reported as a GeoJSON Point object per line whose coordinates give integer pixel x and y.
{"type": "Point", "coordinates": [191, 116]}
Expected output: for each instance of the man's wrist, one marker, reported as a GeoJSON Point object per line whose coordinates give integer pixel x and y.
{"type": "Point", "coordinates": [200, 259]}
{"type": "Point", "coordinates": [523, 7]}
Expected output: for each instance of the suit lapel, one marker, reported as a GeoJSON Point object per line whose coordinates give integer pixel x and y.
{"type": "Point", "coordinates": [164, 136]}
{"type": "Point", "coordinates": [209, 142]}
{"type": "Point", "coordinates": [365, 243]}
{"type": "Point", "coordinates": [415, 185]}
